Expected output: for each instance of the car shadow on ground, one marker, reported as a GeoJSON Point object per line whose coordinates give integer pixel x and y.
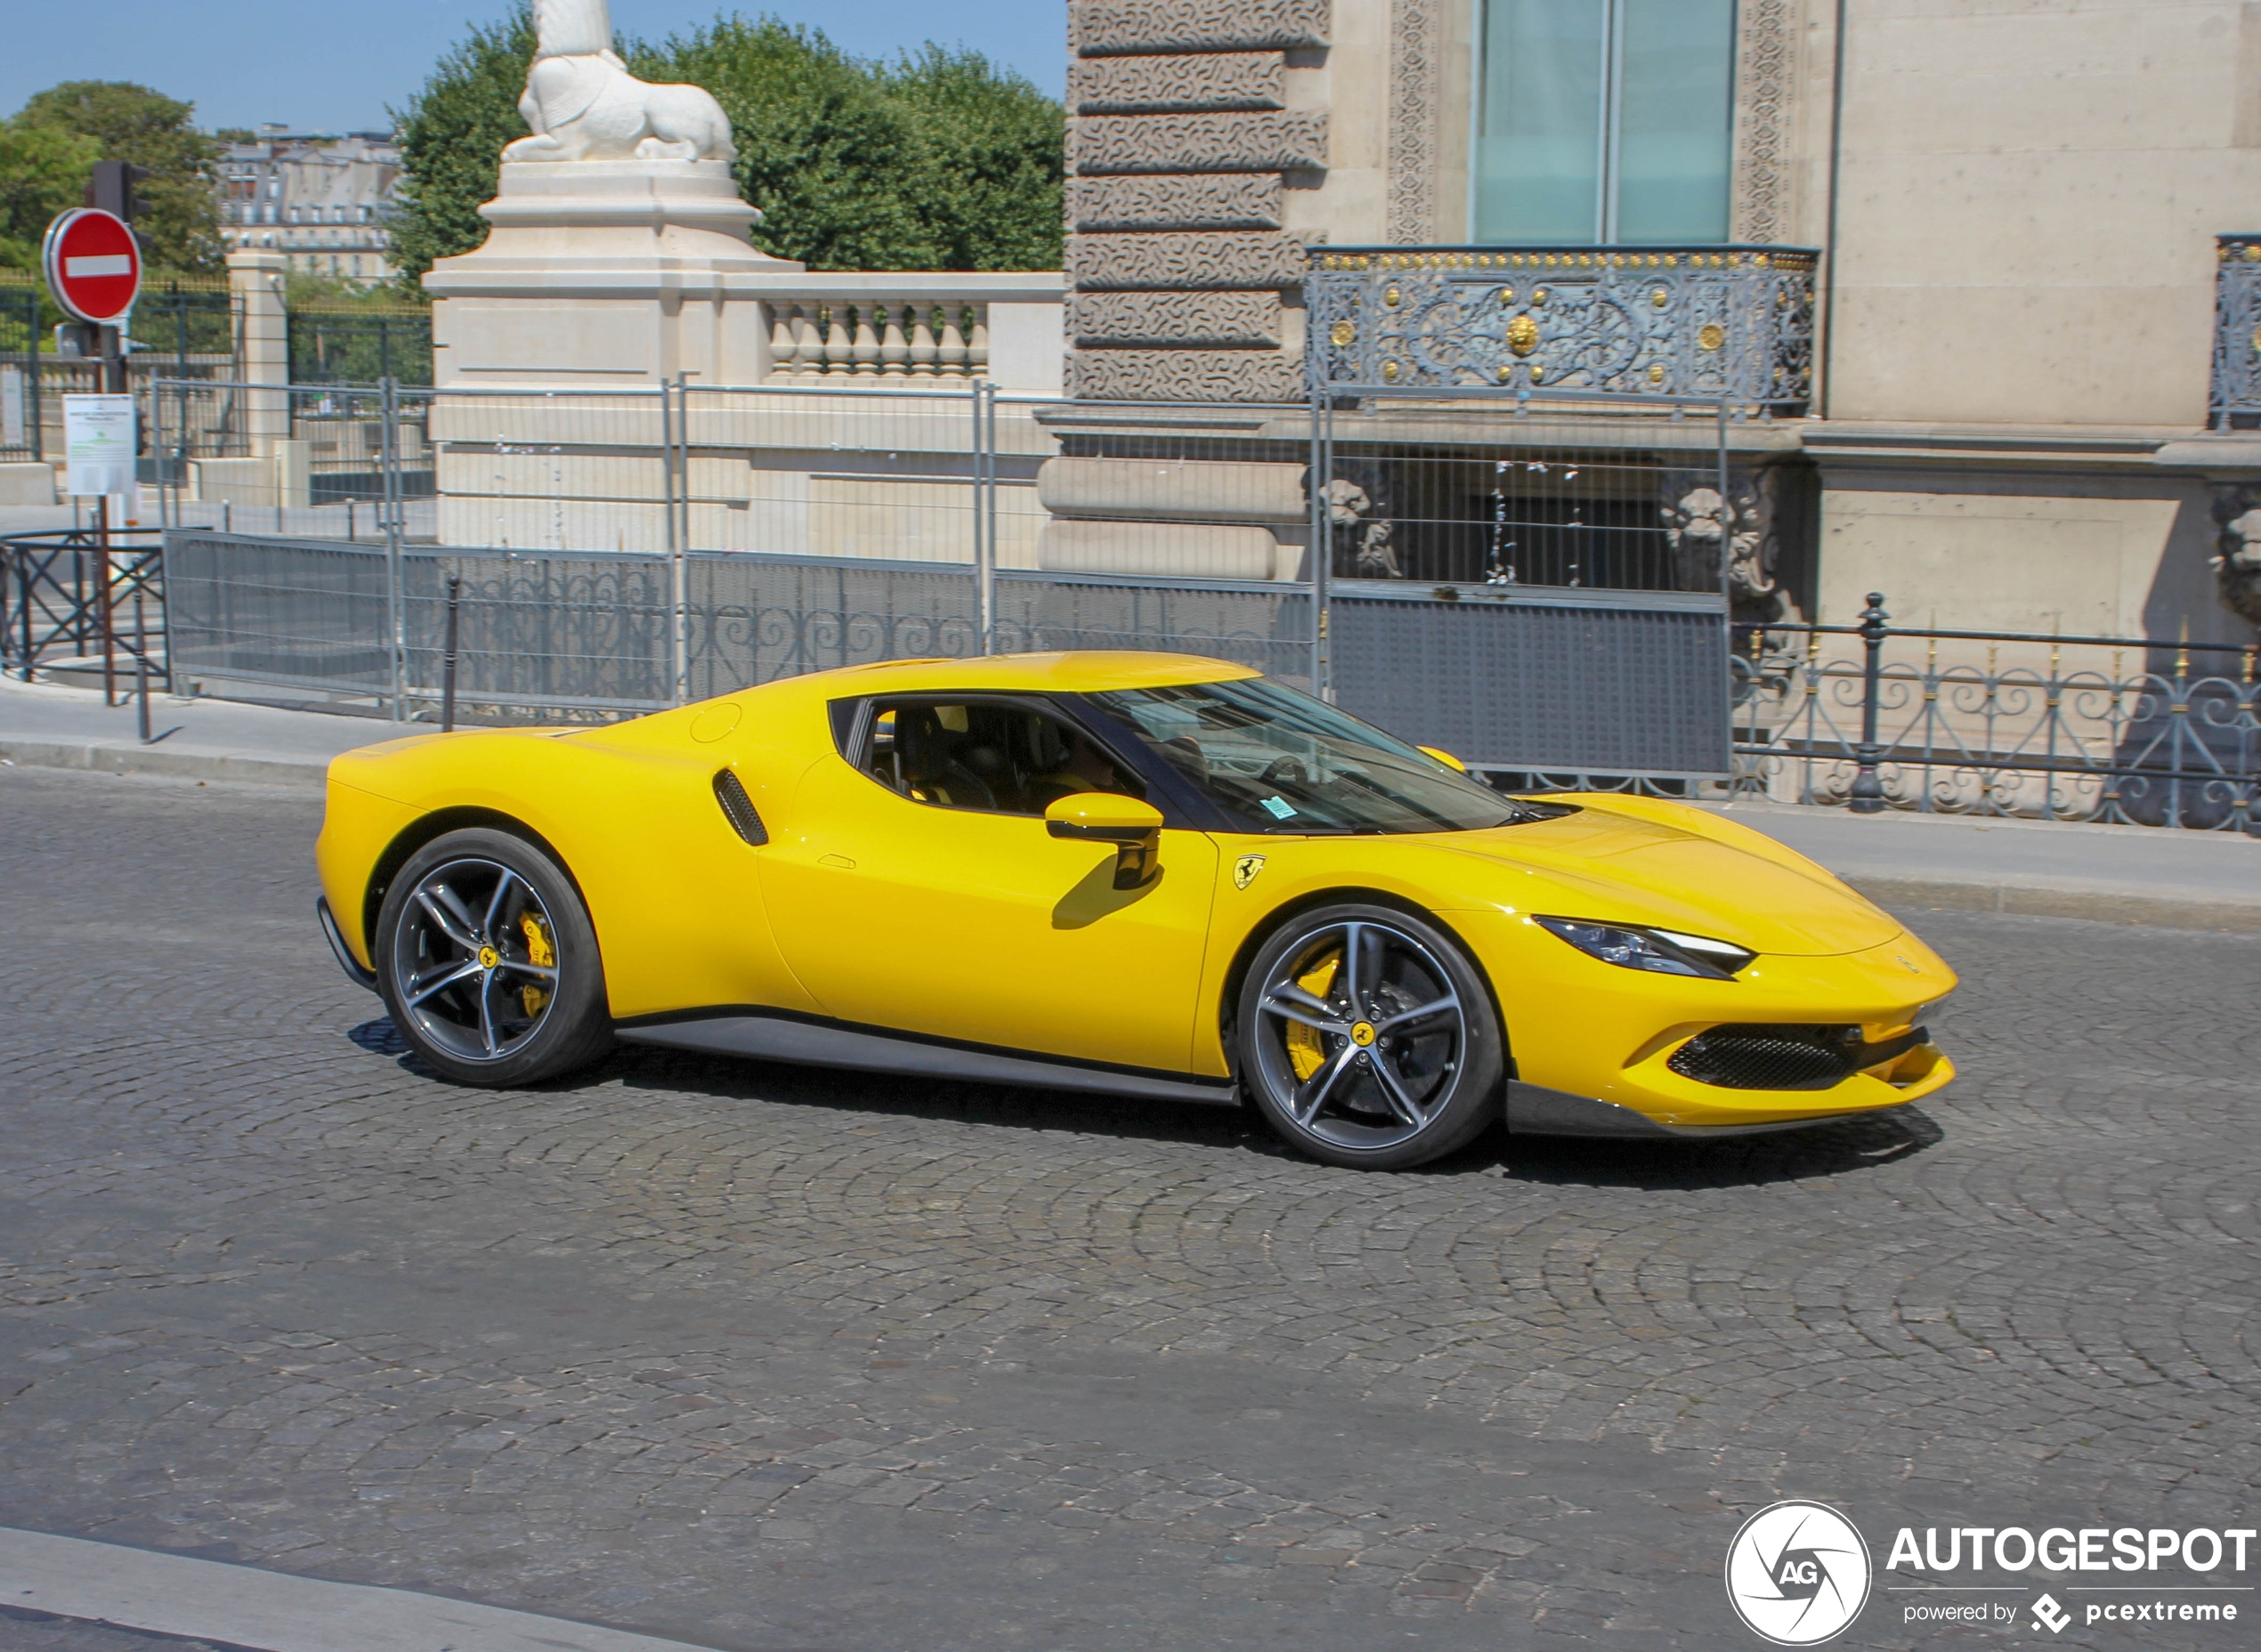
{"type": "Point", "coordinates": [1850, 1144]}
{"type": "Point", "coordinates": [1559, 1161]}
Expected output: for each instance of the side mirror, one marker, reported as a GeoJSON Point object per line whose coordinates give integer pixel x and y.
{"type": "Point", "coordinates": [1133, 826]}
{"type": "Point", "coordinates": [1443, 756]}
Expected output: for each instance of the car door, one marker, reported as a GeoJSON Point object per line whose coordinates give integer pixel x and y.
{"type": "Point", "coordinates": [921, 891]}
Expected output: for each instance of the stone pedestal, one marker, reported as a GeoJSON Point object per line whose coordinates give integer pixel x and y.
{"type": "Point", "coordinates": [606, 275]}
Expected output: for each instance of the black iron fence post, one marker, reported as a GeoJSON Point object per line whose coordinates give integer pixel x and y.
{"type": "Point", "coordinates": [448, 661]}
{"type": "Point", "coordinates": [1868, 795]}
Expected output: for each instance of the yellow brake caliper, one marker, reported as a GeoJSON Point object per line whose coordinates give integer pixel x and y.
{"type": "Point", "coordinates": [539, 952]}
{"type": "Point", "coordinates": [1307, 1046]}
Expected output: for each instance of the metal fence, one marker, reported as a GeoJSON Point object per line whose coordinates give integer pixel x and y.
{"type": "Point", "coordinates": [622, 550]}
{"type": "Point", "coordinates": [363, 343]}
{"type": "Point", "coordinates": [2046, 727]}
{"type": "Point", "coordinates": [1533, 582]}
{"type": "Point", "coordinates": [184, 328]}
{"type": "Point", "coordinates": [91, 598]}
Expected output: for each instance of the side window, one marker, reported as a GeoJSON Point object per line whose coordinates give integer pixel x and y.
{"type": "Point", "coordinates": [990, 755]}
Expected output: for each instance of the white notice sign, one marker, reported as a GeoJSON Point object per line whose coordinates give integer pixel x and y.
{"type": "Point", "coordinates": [99, 440]}
{"type": "Point", "coordinates": [12, 410]}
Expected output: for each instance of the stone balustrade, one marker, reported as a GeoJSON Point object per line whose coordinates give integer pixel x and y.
{"type": "Point", "coordinates": [817, 338]}
{"type": "Point", "coordinates": [901, 329]}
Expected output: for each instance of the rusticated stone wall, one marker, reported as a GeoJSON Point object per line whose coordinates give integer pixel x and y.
{"type": "Point", "coordinates": [1181, 134]}
{"type": "Point", "coordinates": [1144, 320]}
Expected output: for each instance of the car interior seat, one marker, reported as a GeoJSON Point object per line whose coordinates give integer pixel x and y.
{"type": "Point", "coordinates": [932, 768]}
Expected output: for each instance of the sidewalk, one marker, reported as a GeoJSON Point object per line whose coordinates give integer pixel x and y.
{"type": "Point", "coordinates": [45, 726]}
{"type": "Point", "coordinates": [2118, 874]}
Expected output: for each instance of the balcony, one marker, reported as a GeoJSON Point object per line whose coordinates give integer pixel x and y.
{"type": "Point", "coordinates": [1730, 324]}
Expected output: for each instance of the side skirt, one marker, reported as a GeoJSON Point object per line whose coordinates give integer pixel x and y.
{"type": "Point", "coordinates": [832, 1044]}
{"type": "Point", "coordinates": [1533, 1110]}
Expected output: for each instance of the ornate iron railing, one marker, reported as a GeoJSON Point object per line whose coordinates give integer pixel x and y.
{"type": "Point", "coordinates": [2237, 330]}
{"type": "Point", "coordinates": [2073, 728]}
{"type": "Point", "coordinates": [1733, 324]}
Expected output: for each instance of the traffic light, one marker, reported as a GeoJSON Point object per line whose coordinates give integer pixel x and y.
{"type": "Point", "coordinates": [111, 188]}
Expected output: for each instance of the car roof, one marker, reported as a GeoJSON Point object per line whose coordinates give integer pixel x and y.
{"type": "Point", "coordinates": [1079, 671]}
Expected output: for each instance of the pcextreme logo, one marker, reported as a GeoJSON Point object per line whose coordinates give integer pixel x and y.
{"type": "Point", "coordinates": [1797, 1573]}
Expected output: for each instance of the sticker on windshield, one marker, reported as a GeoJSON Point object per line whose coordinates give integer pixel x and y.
{"type": "Point", "coordinates": [1279, 808]}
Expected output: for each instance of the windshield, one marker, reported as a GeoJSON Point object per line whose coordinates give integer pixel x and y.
{"type": "Point", "coordinates": [1277, 761]}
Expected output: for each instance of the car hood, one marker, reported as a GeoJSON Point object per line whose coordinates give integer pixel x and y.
{"type": "Point", "coordinates": [1607, 866]}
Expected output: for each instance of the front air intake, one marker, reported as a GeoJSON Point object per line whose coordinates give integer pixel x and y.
{"type": "Point", "coordinates": [1759, 1057]}
{"type": "Point", "coordinates": [738, 808]}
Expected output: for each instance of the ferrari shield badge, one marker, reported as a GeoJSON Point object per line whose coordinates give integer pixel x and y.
{"type": "Point", "coordinates": [1244, 870]}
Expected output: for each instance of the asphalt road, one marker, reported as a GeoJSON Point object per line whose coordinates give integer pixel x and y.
{"type": "Point", "coordinates": [765, 1358]}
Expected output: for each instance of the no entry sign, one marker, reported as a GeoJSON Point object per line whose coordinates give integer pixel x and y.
{"type": "Point", "coordinates": [93, 266]}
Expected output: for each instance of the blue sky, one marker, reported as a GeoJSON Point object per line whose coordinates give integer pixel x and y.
{"type": "Point", "coordinates": [324, 67]}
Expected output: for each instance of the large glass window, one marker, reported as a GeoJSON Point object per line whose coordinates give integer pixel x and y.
{"type": "Point", "coordinates": [1605, 120]}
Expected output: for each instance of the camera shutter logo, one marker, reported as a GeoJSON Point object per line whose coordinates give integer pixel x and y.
{"type": "Point", "coordinates": [1797, 1573]}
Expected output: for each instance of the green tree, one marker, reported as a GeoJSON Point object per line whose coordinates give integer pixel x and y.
{"type": "Point", "coordinates": [179, 221]}
{"type": "Point", "coordinates": [939, 161]}
{"type": "Point", "coordinates": [451, 137]}
{"type": "Point", "coordinates": [43, 171]}
{"type": "Point", "coordinates": [822, 150]}
{"type": "Point", "coordinates": [990, 155]}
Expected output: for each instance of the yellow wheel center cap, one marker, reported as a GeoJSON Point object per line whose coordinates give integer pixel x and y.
{"type": "Point", "coordinates": [489, 958]}
{"type": "Point", "coordinates": [1362, 1034]}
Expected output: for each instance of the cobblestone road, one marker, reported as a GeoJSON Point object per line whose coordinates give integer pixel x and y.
{"type": "Point", "coordinates": [775, 1360]}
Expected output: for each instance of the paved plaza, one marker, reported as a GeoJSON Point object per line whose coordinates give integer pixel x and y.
{"type": "Point", "coordinates": [772, 1359]}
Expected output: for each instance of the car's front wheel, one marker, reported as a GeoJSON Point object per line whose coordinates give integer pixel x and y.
{"type": "Point", "coordinates": [1368, 1040]}
{"type": "Point", "coordinates": [488, 961]}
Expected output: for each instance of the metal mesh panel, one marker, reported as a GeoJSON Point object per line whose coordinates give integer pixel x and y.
{"type": "Point", "coordinates": [1634, 686]}
{"type": "Point", "coordinates": [292, 462]}
{"type": "Point", "coordinates": [565, 635]}
{"type": "Point", "coordinates": [291, 613]}
{"type": "Point", "coordinates": [1267, 626]}
{"type": "Point", "coordinates": [753, 617]}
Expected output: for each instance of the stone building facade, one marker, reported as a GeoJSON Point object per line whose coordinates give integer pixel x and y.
{"type": "Point", "coordinates": [323, 201]}
{"type": "Point", "coordinates": [1974, 251]}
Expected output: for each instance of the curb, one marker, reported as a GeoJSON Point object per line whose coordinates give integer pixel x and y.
{"type": "Point", "coordinates": [2035, 901]}
{"type": "Point", "coordinates": [103, 757]}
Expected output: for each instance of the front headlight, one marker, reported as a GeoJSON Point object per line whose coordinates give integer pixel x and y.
{"type": "Point", "coordinates": [1658, 951]}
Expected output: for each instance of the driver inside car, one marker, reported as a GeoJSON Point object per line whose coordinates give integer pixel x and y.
{"type": "Point", "coordinates": [1084, 767]}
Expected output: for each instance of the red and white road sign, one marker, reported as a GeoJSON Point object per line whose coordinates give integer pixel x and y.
{"type": "Point", "coordinates": [93, 265]}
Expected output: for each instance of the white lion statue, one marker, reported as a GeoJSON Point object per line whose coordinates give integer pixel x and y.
{"type": "Point", "coordinates": [584, 105]}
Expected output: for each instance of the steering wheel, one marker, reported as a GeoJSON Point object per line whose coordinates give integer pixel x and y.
{"type": "Point", "coordinates": [1285, 772]}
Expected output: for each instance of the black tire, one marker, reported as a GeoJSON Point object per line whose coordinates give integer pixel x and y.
{"type": "Point", "coordinates": [1365, 1081]}
{"type": "Point", "coordinates": [459, 954]}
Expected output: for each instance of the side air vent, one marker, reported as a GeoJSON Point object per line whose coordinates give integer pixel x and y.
{"type": "Point", "coordinates": [738, 808]}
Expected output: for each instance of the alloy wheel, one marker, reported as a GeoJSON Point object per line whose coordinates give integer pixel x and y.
{"type": "Point", "coordinates": [474, 959]}
{"type": "Point", "coordinates": [1362, 1034]}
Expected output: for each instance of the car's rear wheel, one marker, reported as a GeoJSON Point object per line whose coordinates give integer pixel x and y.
{"type": "Point", "coordinates": [488, 961]}
{"type": "Point", "coordinates": [1368, 1040]}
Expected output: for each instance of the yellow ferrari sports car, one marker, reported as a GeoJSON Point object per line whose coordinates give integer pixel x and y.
{"type": "Point", "coordinates": [1148, 874]}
